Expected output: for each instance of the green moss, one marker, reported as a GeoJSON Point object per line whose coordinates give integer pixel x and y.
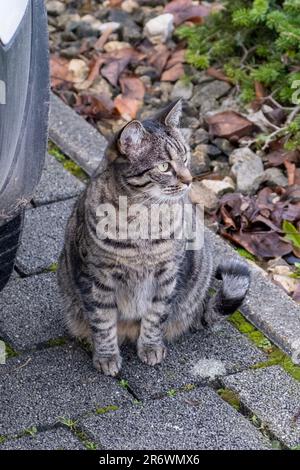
{"type": "Point", "coordinates": [124, 383]}
{"type": "Point", "coordinates": [106, 409]}
{"type": "Point", "coordinates": [2, 439]}
{"type": "Point", "coordinates": [90, 445]}
{"type": "Point", "coordinates": [67, 163]}
{"type": "Point", "coordinates": [69, 423]}
{"type": "Point", "coordinates": [172, 392]}
{"type": "Point", "coordinates": [230, 397]}
{"type": "Point", "coordinates": [246, 254]}
{"type": "Point", "coordinates": [275, 355]}
{"type": "Point", "coordinates": [30, 431]}
{"type": "Point", "coordinates": [9, 351]}
{"type": "Point", "coordinates": [188, 387]}
{"type": "Point", "coordinates": [56, 342]}
{"type": "Point", "coordinates": [52, 268]}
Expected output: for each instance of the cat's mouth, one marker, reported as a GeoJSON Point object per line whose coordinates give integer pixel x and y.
{"type": "Point", "coordinates": [176, 191]}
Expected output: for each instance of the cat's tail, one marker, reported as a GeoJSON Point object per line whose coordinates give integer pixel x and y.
{"type": "Point", "coordinates": [235, 277]}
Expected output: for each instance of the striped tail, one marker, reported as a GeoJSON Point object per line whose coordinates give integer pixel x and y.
{"type": "Point", "coordinates": [235, 276]}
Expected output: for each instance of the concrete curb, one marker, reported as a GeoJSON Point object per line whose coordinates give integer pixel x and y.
{"type": "Point", "coordinates": [74, 136]}
{"type": "Point", "coordinates": [266, 306]}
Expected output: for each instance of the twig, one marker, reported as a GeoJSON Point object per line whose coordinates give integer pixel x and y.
{"type": "Point", "coordinates": [247, 52]}
{"type": "Point", "coordinates": [291, 116]}
{"type": "Point", "coordinates": [23, 365]}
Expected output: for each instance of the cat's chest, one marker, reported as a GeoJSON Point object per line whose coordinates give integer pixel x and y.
{"type": "Point", "coordinates": [135, 298]}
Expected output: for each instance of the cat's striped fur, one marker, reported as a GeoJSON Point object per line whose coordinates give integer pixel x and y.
{"type": "Point", "coordinates": [147, 291]}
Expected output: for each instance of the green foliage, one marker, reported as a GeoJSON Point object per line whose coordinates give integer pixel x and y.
{"type": "Point", "coordinates": [274, 355]}
{"type": "Point", "coordinates": [124, 383]}
{"type": "Point", "coordinates": [172, 392]}
{"type": "Point", "coordinates": [245, 254]}
{"type": "Point", "coordinates": [67, 163]}
{"type": "Point", "coordinates": [230, 397]}
{"type": "Point", "coordinates": [296, 273]}
{"type": "Point", "coordinates": [106, 409]}
{"type": "Point", "coordinates": [254, 41]}
{"type": "Point", "coordinates": [291, 233]}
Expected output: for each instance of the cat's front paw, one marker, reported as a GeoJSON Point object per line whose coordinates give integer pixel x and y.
{"type": "Point", "coordinates": [108, 365]}
{"type": "Point", "coordinates": [152, 355]}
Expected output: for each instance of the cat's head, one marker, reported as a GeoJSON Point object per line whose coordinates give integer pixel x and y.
{"type": "Point", "coordinates": [155, 155]}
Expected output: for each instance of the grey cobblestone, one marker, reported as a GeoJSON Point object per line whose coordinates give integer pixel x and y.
{"type": "Point", "coordinates": [56, 439]}
{"type": "Point", "coordinates": [41, 388]}
{"type": "Point", "coordinates": [272, 395]}
{"type": "Point", "coordinates": [195, 420]}
{"type": "Point", "coordinates": [31, 311]}
{"type": "Point", "coordinates": [56, 183]}
{"type": "Point", "coordinates": [196, 358]}
{"type": "Point", "coordinates": [43, 236]}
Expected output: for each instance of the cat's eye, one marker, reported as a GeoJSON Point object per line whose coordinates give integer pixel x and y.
{"type": "Point", "coordinates": [163, 167]}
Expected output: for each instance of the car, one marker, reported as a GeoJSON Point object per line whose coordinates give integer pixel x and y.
{"type": "Point", "coordinates": [24, 109]}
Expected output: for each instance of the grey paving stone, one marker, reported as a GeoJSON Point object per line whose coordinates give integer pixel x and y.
{"type": "Point", "coordinates": [196, 358]}
{"type": "Point", "coordinates": [31, 311]}
{"type": "Point", "coordinates": [272, 395]}
{"type": "Point", "coordinates": [195, 420]}
{"type": "Point", "coordinates": [56, 439]}
{"type": "Point", "coordinates": [43, 236]}
{"type": "Point", "coordinates": [40, 388]}
{"type": "Point", "coordinates": [267, 306]}
{"type": "Point", "coordinates": [74, 136]}
{"type": "Point", "coordinates": [56, 183]}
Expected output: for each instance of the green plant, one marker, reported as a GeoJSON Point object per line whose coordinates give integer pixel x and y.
{"type": "Point", "coordinates": [68, 164]}
{"type": "Point", "coordinates": [246, 254]}
{"type": "Point", "coordinates": [106, 409]}
{"type": "Point", "coordinates": [172, 392]}
{"type": "Point", "coordinates": [124, 383]}
{"type": "Point", "coordinates": [291, 234]}
{"type": "Point", "coordinates": [255, 41]}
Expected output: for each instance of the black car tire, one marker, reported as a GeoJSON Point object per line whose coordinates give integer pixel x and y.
{"type": "Point", "coordinates": [10, 236]}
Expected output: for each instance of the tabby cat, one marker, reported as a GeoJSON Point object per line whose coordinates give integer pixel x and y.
{"type": "Point", "coordinates": [147, 291]}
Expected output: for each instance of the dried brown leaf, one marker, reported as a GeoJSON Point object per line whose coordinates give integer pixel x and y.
{"type": "Point", "coordinates": [173, 74]}
{"type": "Point", "coordinates": [229, 124]}
{"type": "Point", "coordinates": [184, 10]}
{"type": "Point", "coordinates": [59, 70]}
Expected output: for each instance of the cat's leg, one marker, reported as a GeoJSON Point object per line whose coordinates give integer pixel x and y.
{"type": "Point", "coordinates": [102, 313]}
{"type": "Point", "coordinates": [106, 354]}
{"type": "Point", "coordinates": [150, 346]}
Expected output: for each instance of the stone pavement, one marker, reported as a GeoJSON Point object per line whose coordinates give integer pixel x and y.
{"type": "Point", "coordinates": [212, 392]}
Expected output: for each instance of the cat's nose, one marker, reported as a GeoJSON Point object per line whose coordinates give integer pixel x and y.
{"type": "Point", "coordinates": [185, 176]}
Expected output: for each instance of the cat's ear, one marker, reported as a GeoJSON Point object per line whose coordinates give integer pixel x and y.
{"type": "Point", "coordinates": [171, 115]}
{"type": "Point", "coordinates": [131, 136]}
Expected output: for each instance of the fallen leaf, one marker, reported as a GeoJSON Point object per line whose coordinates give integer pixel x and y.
{"type": "Point", "coordinates": [259, 90]}
{"type": "Point", "coordinates": [116, 65]}
{"type": "Point", "coordinates": [178, 57]}
{"type": "Point", "coordinates": [158, 58]}
{"type": "Point", "coordinates": [132, 87]}
{"type": "Point", "coordinates": [129, 102]}
{"type": "Point", "coordinates": [183, 10]}
{"type": "Point", "coordinates": [291, 172]}
{"type": "Point", "coordinates": [95, 106]}
{"type": "Point", "coordinates": [229, 124]}
{"type": "Point", "coordinates": [173, 74]}
{"type": "Point", "coordinates": [218, 74]}
{"type": "Point", "coordinates": [278, 157]}
{"type": "Point", "coordinates": [103, 38]}
{"type": "Point", "coordinates": [59, 70]}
